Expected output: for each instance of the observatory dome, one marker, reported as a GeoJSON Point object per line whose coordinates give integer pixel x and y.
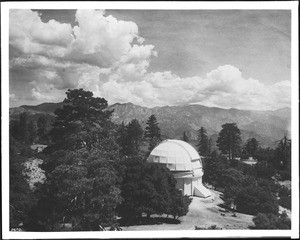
{"type": "Point", "coordinates": [177, 155]}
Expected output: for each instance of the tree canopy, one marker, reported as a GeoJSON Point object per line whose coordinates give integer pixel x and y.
{"type": "Point", "coordinates": [82, 187]}
{"type": "Point", "coordinates": [251, 147]}
{"type": "Point", "coordinates": [185, 136]}
{"type": "Point", "coordinates": [21, 198]}
{"type": "Point", "coordinates": [203, 142]}
{"type": "Point", "coordinates": [149, 188]}
{"type": "Point", "coordinates": [229, 140]}
{"type": "Point", "coordinates": [82, 121]}
{"type": "Point", "coordinates": [271, 221]}
{"type": "Point", "coordinates": [152, 132]}
{"type": "Point", "coordinates": [283, 154]}
{"type": "Point", "coordinates": [42, 129]}
{"type": "Point", "coordinates": [130, 137]}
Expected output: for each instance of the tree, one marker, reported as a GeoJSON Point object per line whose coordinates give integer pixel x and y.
{"type": "Point", "coordinates": [14, 129]}
{"type": "Point", "coordinates": [31, 132]}
{"type": "Point", "coordinates": [152, 132]}
{"type": "Point", "coordinates": [42, 129]}
{"type": "Point", "coordinates": [264, 169]}
{"type": "Point", "coordinates": [82, 122]}
{"type": "Point", "coordinates": [82, 188]}
{"type": "Point", "coordinates": [21, 198]}
{"type": "Point", "coordinates": [122, 138]}
{"type": "Point", "coordinates": [203, 142]}
{"type": "Point", "coordinates": [251, 147]}
{"type": "Point", "coordinates": [214, 166]}
{"type": "Point", "coordinates": [23, 128]}
{"type": "Point", "coordinates": [180, 205]}
{"type": "Point", "coordinates": [148, 188]}
{"type": "Point", "coordinates": [185, 136]}
{"type": "Point", "coordinates": [283, 153]}
{"type": "Point", "coordinates": [256, 199]}
{"type": "Point", "coordinates": [132, 136]}
{"type": "Point", "coordinates": [229, 140]}
{"type": "Point", "coordinates": [271, 221]}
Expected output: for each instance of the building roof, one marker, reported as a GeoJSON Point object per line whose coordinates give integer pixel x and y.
{"type": "Point", "coordinates": [177, 155]}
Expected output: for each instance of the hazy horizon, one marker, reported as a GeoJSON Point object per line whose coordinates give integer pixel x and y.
{"type": "Point", "coordinates": [191, 104]}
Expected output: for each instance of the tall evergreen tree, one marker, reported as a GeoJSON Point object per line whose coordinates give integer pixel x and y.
{"type": "Point", "coordinates": [21, 198]}
{"type": "Point", "coordinates": [203, 142]}
{"type": "Point", "coordinates": [81, 184]}
{"type": "Point", "coordinates": [42, 128]}
{"type": "Point", "coordinates": [122, 138]}
{"type": "Point", "coordinates": [185, 136]}
{"type": "Point", "coordinates": [283, 154]}
{"type": "Point", "coordinates": [134, 134]}
{"type": "Point", "coordinates": [152, 132]}
{"type": "Point", "coordinates": [32, 132]}
{"type": "Point", "coordinates": [14, 129]}
{"type": "Point", "coordinates": [251, 146]}
{"type": "Point", "coordinates": [23, 128]}
{"type": "Point", "coordinates": [229, 140]}
{"type": "Point", "coordinates": [149, 188]}
{"type": "Point", "coordinates": [81, 188]}
{"type": "Point", "coordinates": [82, 122]}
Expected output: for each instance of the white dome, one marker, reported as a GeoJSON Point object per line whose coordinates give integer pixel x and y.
{"type": "Point", "coordinates": [177, 155]}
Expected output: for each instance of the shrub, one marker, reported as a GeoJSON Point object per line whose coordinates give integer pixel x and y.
{"type": "Point", "coordinates": [285, 202]}
{"type": "Point", "coordinates": [149, 188]}
{"type": "Point", "coordinates": [256, 199]}
{"type": "Point", "coordinates": [271, 221]}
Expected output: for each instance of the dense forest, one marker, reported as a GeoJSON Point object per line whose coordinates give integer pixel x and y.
{"type": "Point", "coordinates": [96, 173]}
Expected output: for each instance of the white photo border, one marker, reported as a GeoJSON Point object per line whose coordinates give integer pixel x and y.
{"type": "Point", "coordinates": [175, 5]}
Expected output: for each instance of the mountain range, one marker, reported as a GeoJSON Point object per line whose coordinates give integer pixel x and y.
{"type": "Point", "coordinates": [266, 126]}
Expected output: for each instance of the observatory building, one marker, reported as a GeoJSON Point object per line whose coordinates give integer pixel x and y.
{"type": "Point", "coordinates": [185, 163]}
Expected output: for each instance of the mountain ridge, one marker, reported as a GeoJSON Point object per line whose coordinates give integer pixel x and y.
{"type": "Point", "coordinates": [268, 126]}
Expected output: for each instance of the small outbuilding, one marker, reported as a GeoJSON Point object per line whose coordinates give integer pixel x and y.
{"type": "Point", "coordinates": [185, 163]}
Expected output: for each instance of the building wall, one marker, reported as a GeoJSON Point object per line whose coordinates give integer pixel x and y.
{"type": "Point", "coordinates": [186, 185]}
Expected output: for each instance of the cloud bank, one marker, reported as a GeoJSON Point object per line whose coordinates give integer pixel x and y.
{"type": "Point", "coordinates": [108, 57]}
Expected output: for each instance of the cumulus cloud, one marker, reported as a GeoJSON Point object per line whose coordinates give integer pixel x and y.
{"type": "Point", "coordinates": [107, 56]}
{"type": "Point", "coordinates": [12, 97]}
{"type": "Point", "coordinates": [223, 87]}
{"type": "Point", "coordinates": [106, 41]}
{"type": "Point", "coordinates": [29, 34]}
{"type": "Point", "coordinates": [37, 95]}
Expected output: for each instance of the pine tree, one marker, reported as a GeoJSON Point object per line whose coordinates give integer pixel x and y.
{"type": "Point", "coordinates": [251, 146]}
{"type": "Point", "coordinates": [23, 128]}
{"type": "Point", "coordinates": [122, 138]}
{"type": "Point", "coordinates": [185, 136]}
{"type": "Point", "coordinates": [229, 140]}
{"type": "Point", "coordinates": [134, 133]}
{"type": "Point", "coordinates": [283, 153]}
{"type": "Point", "coordinates": [203, 142]}
{"type": "Point", "coordinates": [41, 128]}
{"type": "Point", "coordinates": [152, 132]}
{"type": "Point", "coordinates": [81, 186]}
{"type": "Point", "coordinates": [31, 132]}
{"type": "Point", "coordinates": [82, 122]}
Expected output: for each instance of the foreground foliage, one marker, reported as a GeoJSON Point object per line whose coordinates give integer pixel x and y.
{"type": "Point", "coordinates": [21, 198]}
{"type": "Point", "coordinates": [93, 171]}
{"type": "Point", "coordinates": [149, 188]}
{"type": "Point", "coordinates": [272, 221]}
{"type": "Point", "coordinates": [81, 188]}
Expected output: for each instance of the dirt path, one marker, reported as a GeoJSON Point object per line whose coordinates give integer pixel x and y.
{"type": "Point", "coordinates": [202, 213]}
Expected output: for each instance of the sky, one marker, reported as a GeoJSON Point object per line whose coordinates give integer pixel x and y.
{"type": "Point", "coordinates": [217, 58]}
